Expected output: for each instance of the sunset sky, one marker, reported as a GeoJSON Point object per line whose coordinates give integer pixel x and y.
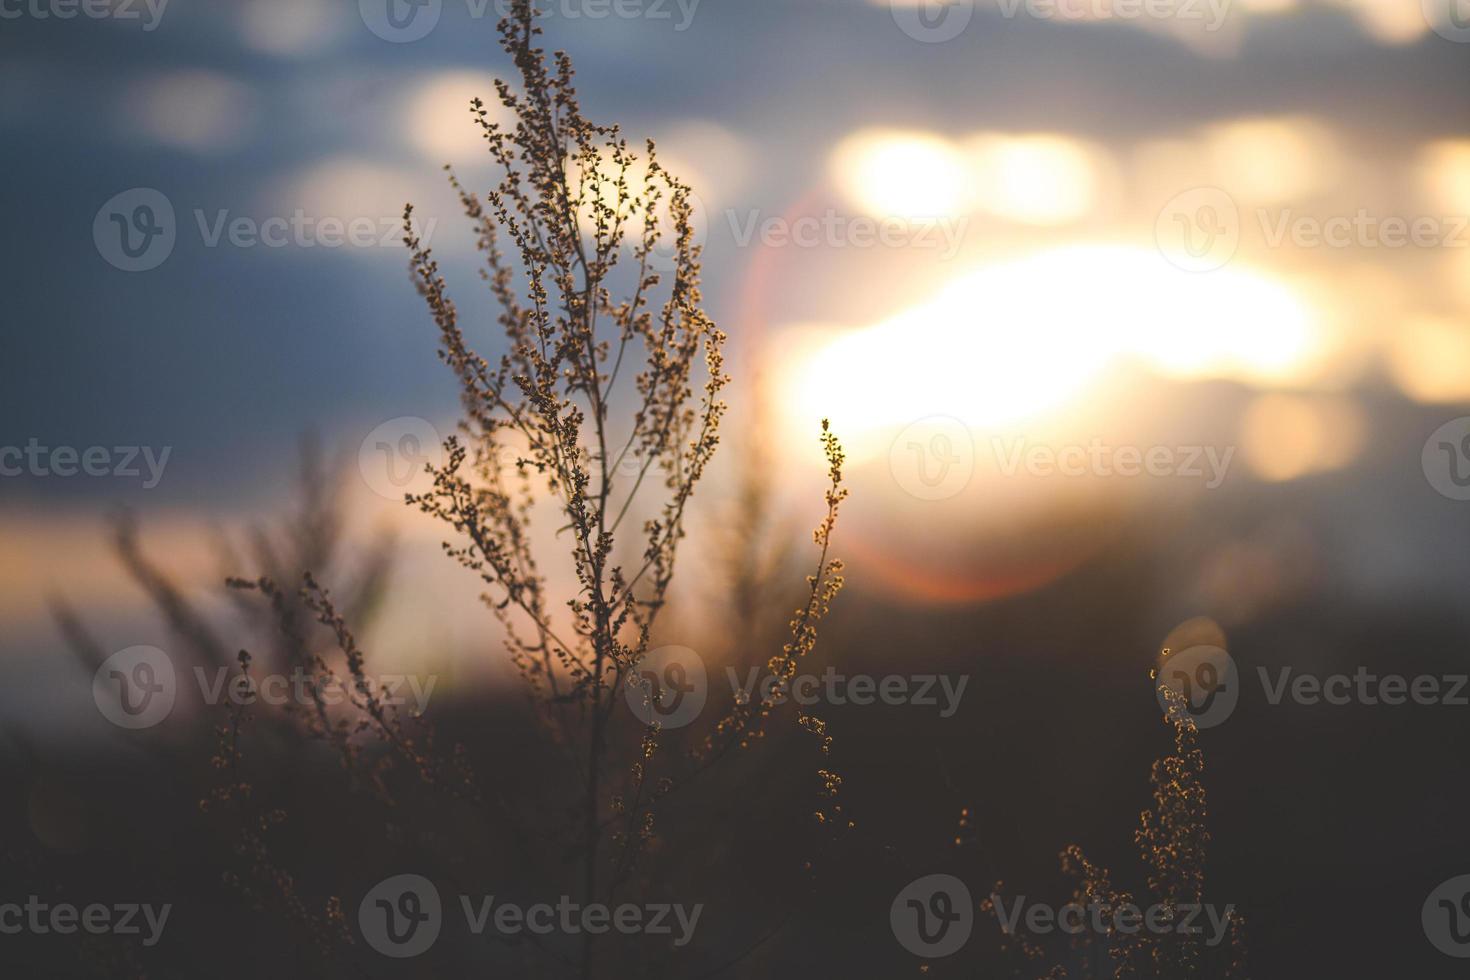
{"type": "Point", "coordinates": [984, 229]}
{"type": "Point", "coordinates": [1118, 352]}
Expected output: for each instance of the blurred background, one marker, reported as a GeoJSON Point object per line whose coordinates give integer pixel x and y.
{"type": "Point", "coordinates": [972, 236]}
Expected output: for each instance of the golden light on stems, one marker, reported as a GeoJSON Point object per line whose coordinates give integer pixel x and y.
{"type": "Point", "coordinates": [601, 192]}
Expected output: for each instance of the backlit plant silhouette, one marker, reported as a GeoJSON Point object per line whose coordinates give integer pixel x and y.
{"type": "Point", "coordinates": [1172, 839]}
{"type": "Point", "coordinates": [545, 417]}
{"type": "Point", "coordinates": [603, 413]}
{"type": "Point", "coordinates": [596, 422]}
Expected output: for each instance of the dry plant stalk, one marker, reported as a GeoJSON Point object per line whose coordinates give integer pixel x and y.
{"type": "Point", "coordinates": [1172, 840]}
{"type": "Point", "coordinates": [547, 425]}
{"type": "Point", "coordinates": [571, 198]}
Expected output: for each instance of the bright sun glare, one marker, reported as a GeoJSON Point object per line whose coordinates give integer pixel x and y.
{"type": "Point", "coordinates": [900, 174]}
{"type": "Point", "coordinates": [1018, 340]}
{"type": "Point", "coordinates": [1032, 178]}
